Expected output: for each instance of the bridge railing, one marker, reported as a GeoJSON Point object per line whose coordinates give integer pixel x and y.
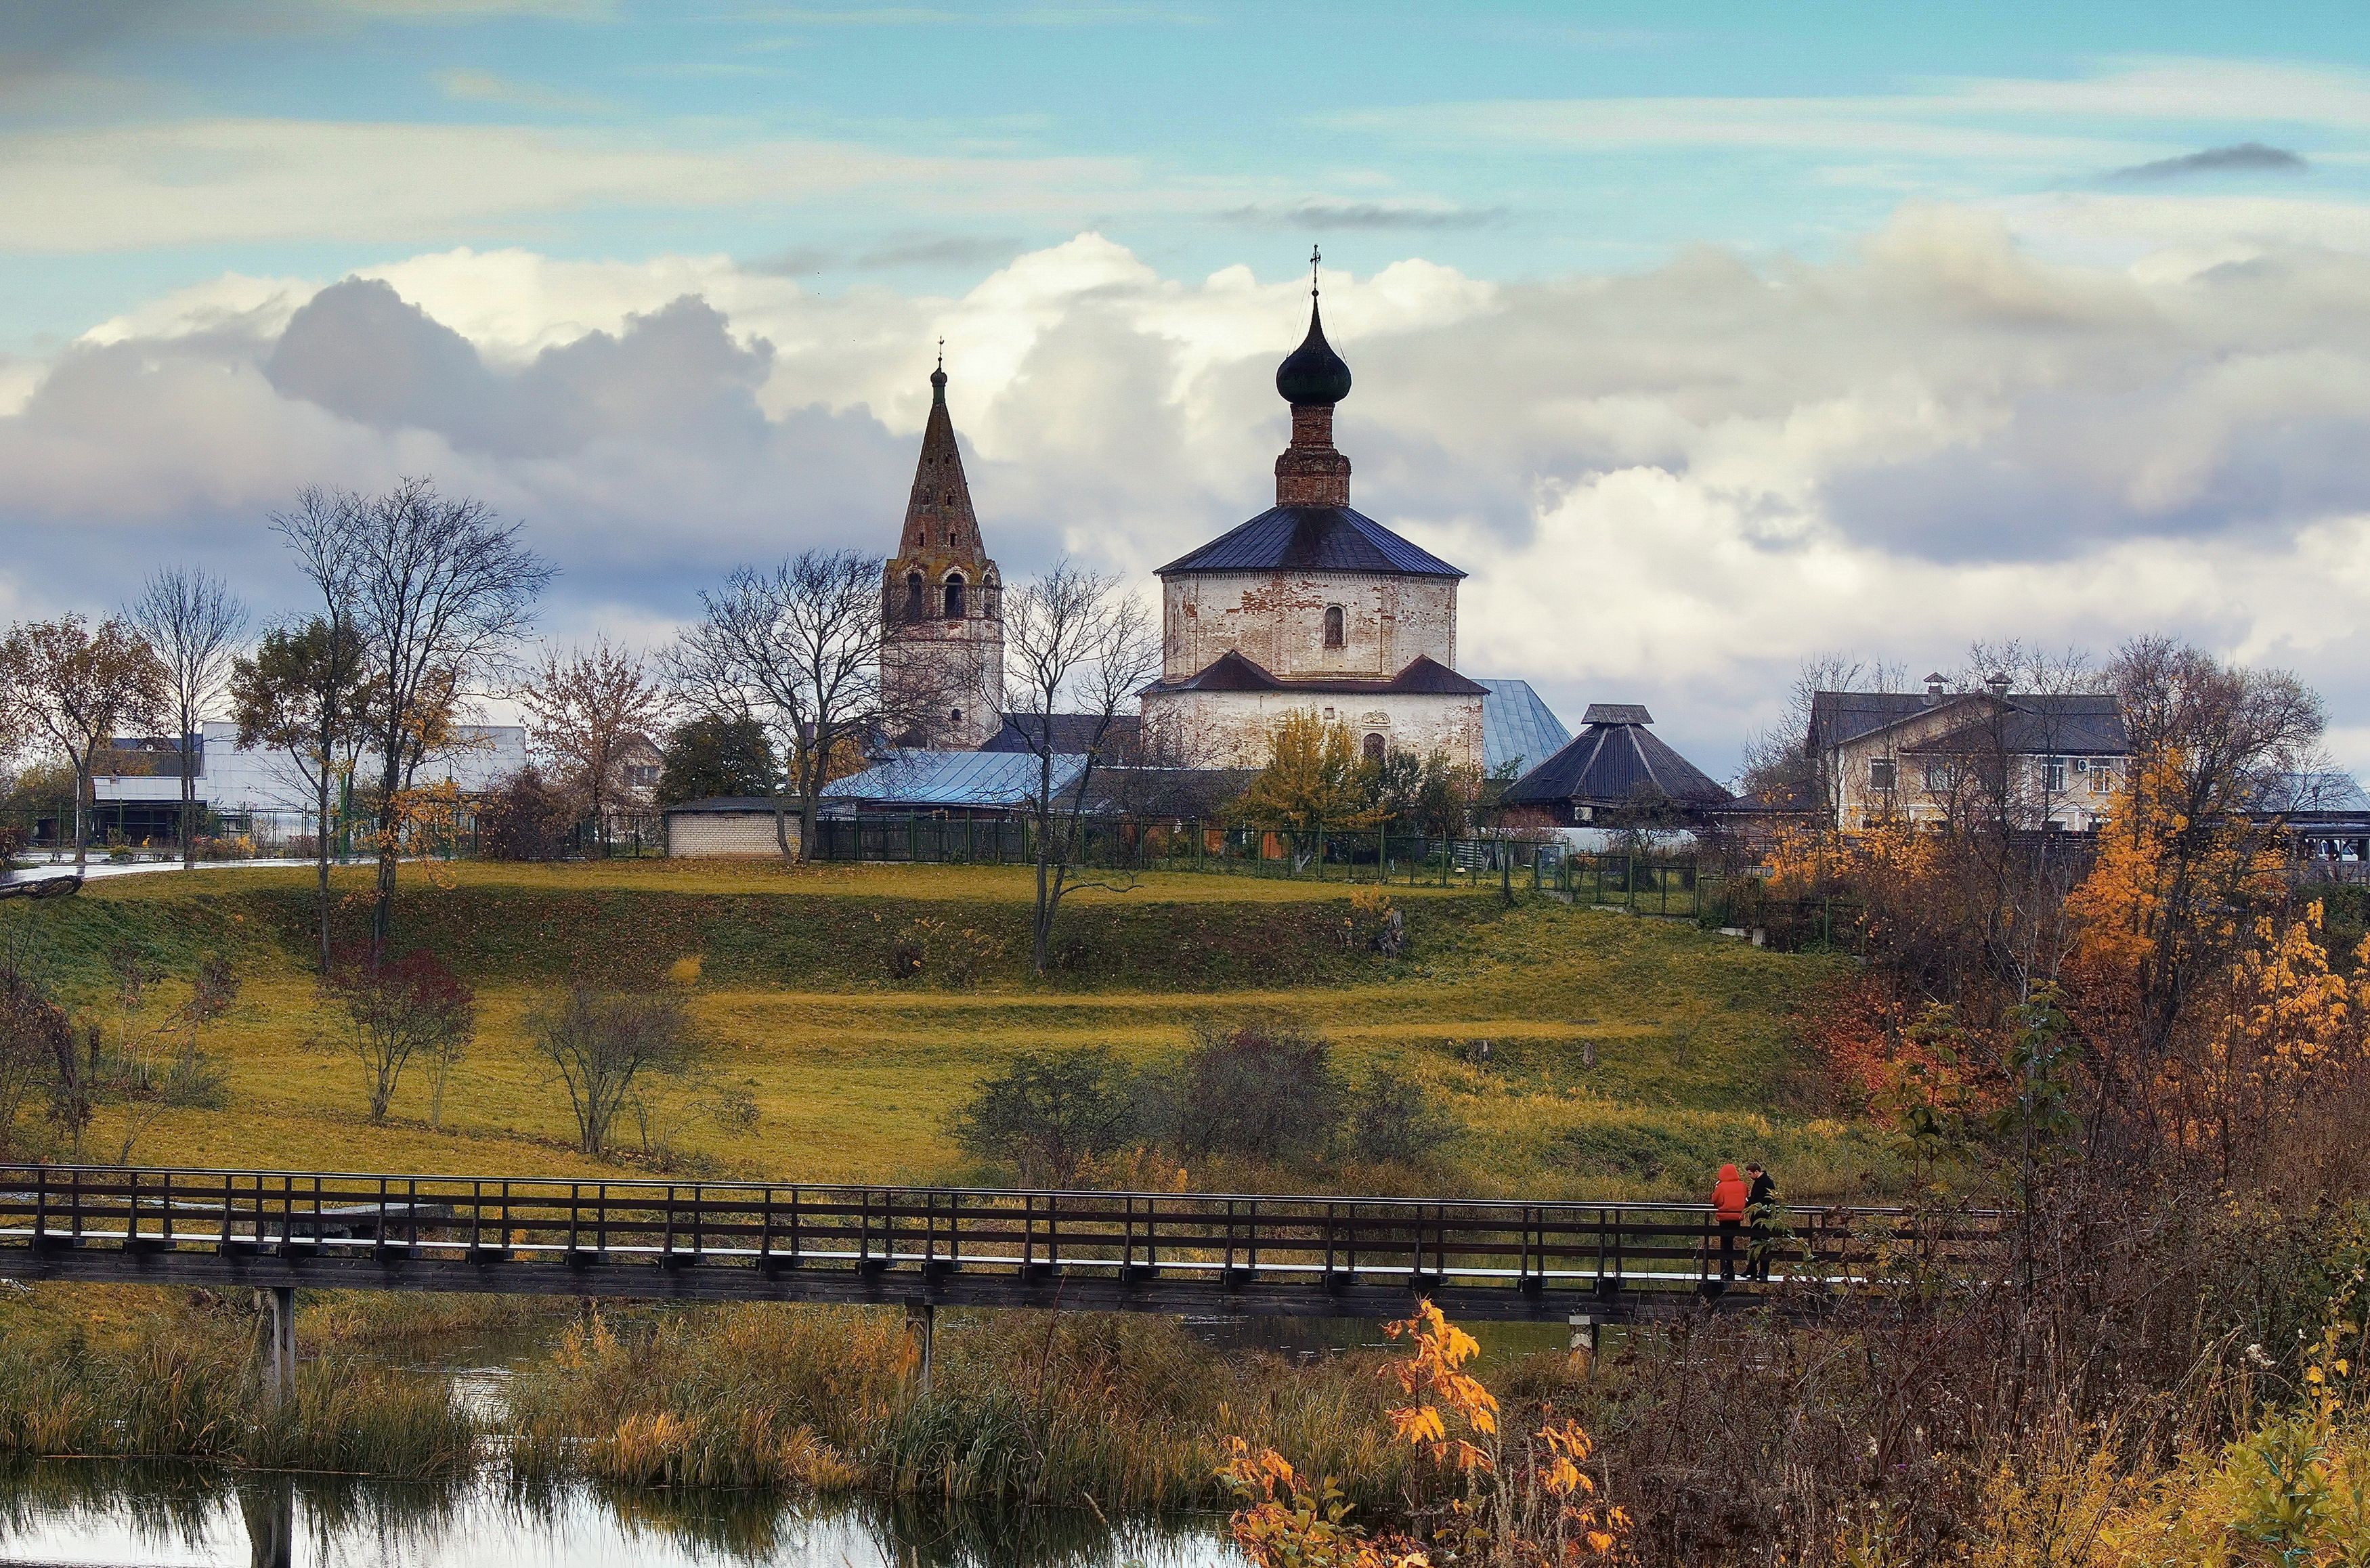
{"type": "Point", "coordinates": [1278, 1241]}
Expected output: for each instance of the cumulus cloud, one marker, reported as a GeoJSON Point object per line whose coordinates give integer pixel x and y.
{"type": "Point", "coordinates": [1667, 486]}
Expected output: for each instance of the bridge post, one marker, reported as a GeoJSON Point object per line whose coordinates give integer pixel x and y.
{"type": "Point", "coordinates": [921, 1319]}
{"type": "Point", "coordinates": [275, 1343]}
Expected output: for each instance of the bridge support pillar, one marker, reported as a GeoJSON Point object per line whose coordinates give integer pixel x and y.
{"type": "Point", "coordinates": [921, 1319]}
{"type": "Point", "coordinates": [275, 1343]}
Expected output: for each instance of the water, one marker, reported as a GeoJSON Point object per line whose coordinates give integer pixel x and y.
{"type": "Point", "coordinates": [64, 1511]}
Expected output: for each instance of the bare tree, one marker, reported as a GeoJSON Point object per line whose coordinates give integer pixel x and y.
{"type": "Point", "coordinates": [442, 591]}
{"type": "Point", "coordinates": [1071, 637]}
{"type": "Point", "coordinates": [193, 622]}
{"type": "Point", "coordinates": [1778, 762]}
{"type": "Point", "coordinates": [582, 709]}
{"type": "Point", "coordinates": [601, 1043]}
{"type": "Point", "coordinates": [801, 650]}
{"type": "Point", "coordinates": [74, 687]}
{"type": "Point", "coordinates": [301, 693]}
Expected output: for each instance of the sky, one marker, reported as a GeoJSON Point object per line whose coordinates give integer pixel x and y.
{"type": "Point", "coordinates": [1706, 337]}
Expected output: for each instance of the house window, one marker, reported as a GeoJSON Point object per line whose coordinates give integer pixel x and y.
{"type": "Point", "coordinates": [912, 596]}
{"type": "Point", "coordinates": [2103, 777]}
{"type": "Point", "coordinates": [1937, 778]}
{"type": "Point", "coordinates": [1373, 747]}
{"type": "Point", "coordinates": [954, 599]}
{"type": "Point", "coordinates": [1879, 773]}
{"type": "Point", "coordinates": [2053, 774]}
{"type": "Point", "coordinates": [1333, 626]}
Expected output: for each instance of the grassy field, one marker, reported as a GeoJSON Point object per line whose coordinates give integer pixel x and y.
{"type": "Point", "coordinates": [854, 1075]}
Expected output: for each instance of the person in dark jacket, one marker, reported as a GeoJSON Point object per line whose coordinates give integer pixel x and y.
{"type": "Point", "coordinates": [1761, 1209]}
{"type": "Point", "coordinates": [1728, 1199]}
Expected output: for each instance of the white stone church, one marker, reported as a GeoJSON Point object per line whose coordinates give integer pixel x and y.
{"type": "Point", "coordinates": [1309, 605]}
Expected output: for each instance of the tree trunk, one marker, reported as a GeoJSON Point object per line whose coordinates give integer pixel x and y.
{"type": "Point", "coordinates": [321, 860]}
{"type": "Point", "coordinates": [188, 804]}
{"type": "Point", "coordinates": [81, 817]}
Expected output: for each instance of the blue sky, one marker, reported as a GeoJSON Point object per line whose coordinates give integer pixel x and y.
{"type": "Point", "coordinates": [1706, 337]}
{"type": "Point", "coordinates": [1509, 141]}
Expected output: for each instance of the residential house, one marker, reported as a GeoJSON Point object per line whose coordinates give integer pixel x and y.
{"type": "Point", "coordinates": [2043, 761]}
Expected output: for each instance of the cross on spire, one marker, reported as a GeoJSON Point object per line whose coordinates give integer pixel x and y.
{"type": "Point", "coordinates": [942, 351]}
{"type": "Point", "coordinates": [1315, 256]}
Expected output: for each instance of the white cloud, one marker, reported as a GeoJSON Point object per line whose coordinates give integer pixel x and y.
{"type": "Point", "coordinates": [210, 181]}
{"type": "Point", "coordinates": [1667, 486]}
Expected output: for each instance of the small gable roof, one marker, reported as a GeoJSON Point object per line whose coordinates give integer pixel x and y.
{"type": "Point", "coordinates": [1072, 733]}
{"type": "Point", "coordinates": [1324, 539]}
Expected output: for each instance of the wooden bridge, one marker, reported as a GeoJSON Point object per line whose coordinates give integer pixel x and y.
{"type": "Point", "coordinates": [926, 1247]}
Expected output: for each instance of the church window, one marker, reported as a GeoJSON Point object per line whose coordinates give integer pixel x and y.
{"type": "Point", "coordinates": [954, 599]}
{"type": "Point", "coordinates": [955, 716]}
{"type": "Point", "coordinates": [1373, 746]}
{"type": "Point", "coordinates": [1333, 626]}
{"type": "Point", "coordinates": [912, 596]}
{"type": "Point", "coordinates": [994, 591]}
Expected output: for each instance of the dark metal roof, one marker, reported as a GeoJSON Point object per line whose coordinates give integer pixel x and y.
{"type": "Point", "coordinates": [1230, 671]}
{"type": "Point", "coordinates": [1073, 734]}
{"type": "Point", "coordinates": [2072, 723]}
{"type": "Point", "coordinates": [1617, 713]}
{"type": "Point", "coordinates": [1616, 765]}
{"type": "Point", "coordinates": [1327, 539]}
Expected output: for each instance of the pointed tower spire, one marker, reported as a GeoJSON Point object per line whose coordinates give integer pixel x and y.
{"type": "Point", "coordinates": [938, 516]}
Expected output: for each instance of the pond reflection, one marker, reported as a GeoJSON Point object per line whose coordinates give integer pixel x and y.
{"type": "Point", "coordinates": [109, 1512]}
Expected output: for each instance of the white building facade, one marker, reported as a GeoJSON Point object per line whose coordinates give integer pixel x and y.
{"type": "Point", "coordinates": [1311, 606]}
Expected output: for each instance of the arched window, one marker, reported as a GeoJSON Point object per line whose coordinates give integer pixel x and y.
{"type": "Point", "coordinates": [912, 596]}
{"type": "Point", "coordinates": [1373, 746]}
{"type": "Point", "coordinates": [955, 716]}
{"type": "Point", "coordinates": [955, 598]}
{"type": "Point", "coordinates": [1333, 625]}
{"type": "Point", "coordinates": [993, 591]}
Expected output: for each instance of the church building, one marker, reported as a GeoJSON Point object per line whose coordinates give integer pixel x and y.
{"type": "Point", "coordinates": [942, 603]}
{"type": "Point", "coordinates": [1311, 605]}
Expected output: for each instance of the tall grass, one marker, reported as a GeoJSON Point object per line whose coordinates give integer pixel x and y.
{"type": "Point", "coordinates": [1024, 1408]}
{"type": "Point", "coordinates": [181, 1383]}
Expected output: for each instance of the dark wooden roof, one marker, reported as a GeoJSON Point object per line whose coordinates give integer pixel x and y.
{"type": "Point", "coordinates": [1230, 671]}
{"type": "Point", "coordinates": [1616, 765]}
{"type": "Point", "coordinates": [1325, 539]}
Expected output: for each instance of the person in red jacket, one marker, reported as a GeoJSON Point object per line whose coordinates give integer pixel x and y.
{"type": "Point", "coordinates": [1728, 1195]}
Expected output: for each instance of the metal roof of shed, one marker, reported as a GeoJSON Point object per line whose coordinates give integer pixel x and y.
{"type": "Point", "coordinates": [1518, 727]}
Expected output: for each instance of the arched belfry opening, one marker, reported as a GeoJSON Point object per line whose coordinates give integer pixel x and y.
{"type": "Point", "coordinates": [955, 596]}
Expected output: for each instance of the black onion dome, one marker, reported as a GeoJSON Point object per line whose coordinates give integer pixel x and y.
{"type": "Point", "coordinates": [1313, 373]}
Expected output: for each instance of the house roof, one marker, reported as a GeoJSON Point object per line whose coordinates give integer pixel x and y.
{"type": "Point", "coordinates": [953, 778]}
{"type": "Point", "coordinates": [1323, 539]}
{"type": "Point", "coordinates": [2072, 723]}
{"type": "Point", "coordinates": [1517, 727]}
{"type": "Point", "coordinates": [725, 805]}
{"type": "Point", "coordinates": [1231, 672]}
{"type": "Point", "coordinates": [1617, 713]}
{"type": "Point", "coordinates": [1615, 765]}
{"type": "Point", "coordinates": [1072, 733]}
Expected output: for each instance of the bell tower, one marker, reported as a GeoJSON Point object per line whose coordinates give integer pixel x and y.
{"type": "Point", "coordinates": [942, 601]}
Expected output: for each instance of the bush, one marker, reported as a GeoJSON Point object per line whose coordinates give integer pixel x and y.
{"type": "Point", "coordinates": [525, 819]}
{"type": "Point", "coordinates": [1261, 1090]}
{"type": "Point", "coordinates": [1048, 1114]}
